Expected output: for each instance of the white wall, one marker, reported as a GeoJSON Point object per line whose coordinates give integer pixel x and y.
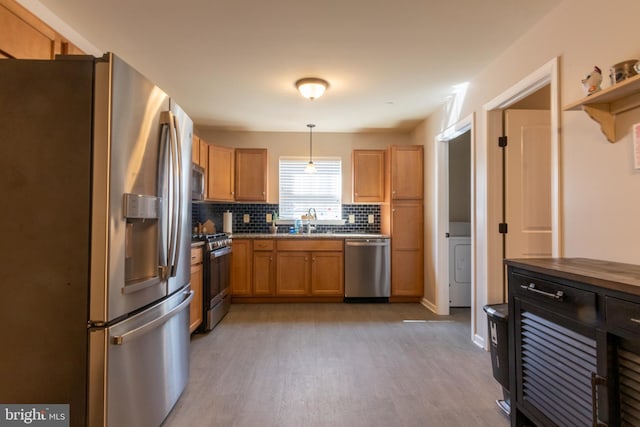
{"type": "Point", "coordinates": [600, 190]}
{"type": "Point", "coordinates": [297, 144]}
{"type": "Point", "coordinates": [460, 179]}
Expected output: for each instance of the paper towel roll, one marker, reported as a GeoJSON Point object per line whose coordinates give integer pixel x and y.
{"type": "Point", "coordinates": [227, 222]}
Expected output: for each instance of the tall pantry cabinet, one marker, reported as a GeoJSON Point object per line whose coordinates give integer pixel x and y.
{"type": "Point", "coordinates": [403, 219]}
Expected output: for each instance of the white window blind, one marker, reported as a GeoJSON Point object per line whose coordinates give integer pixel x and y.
{"type": "Point", "coordinates": [300, 191]}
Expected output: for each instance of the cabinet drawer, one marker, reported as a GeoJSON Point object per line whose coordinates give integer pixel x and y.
{"type": "Point", "coordinates": [263, 245]}
{"type": "Point", "coordinates": [566, 300]}
{"type": "Point", "coordinates": [622, 315]}
{"type": "Point", "coordinates": [310, 245]}
{"type": "Point", "coordinates": [196, 255]}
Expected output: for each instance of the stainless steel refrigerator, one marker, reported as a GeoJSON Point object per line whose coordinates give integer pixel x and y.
{"type": "Point", "coordinates": [94, 238]}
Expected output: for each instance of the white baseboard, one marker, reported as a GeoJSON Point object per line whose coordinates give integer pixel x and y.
{"type": "Point", "coordinates": [429, 305]}
{"type": "Point", "coordinates": [479, 341]}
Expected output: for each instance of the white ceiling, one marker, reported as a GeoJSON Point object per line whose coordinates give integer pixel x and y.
{"type": "Point", "coordinates": [232, 64]}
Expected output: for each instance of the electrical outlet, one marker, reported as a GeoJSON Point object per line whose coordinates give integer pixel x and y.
{"type": "Point", "coordinates": [269, 217]}
{"type": "Point", "coordinates": [245, 218]}
{"type": "Point", "coordinates": [352, 219]}
{"type": "Point", "coordinates": [370, 218]}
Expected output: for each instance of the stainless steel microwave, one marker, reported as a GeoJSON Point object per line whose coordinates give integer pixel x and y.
{"type": "Point", "coordinates": [197, 182]}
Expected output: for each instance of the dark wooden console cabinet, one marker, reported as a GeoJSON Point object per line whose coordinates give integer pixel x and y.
{"type": "Point", "coordinates": [574, 342]}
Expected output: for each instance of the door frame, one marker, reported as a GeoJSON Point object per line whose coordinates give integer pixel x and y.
{"type": "Point", "coordinates": [442, 140]}
{"type": "Point", "coordinates": [488, 248]}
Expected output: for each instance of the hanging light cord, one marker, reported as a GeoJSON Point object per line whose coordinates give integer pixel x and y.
{"type": "Point", "coordinates": [311, 126]}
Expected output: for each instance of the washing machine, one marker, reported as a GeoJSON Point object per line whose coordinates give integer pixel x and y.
{"type": "Point", "coordinates": [460, 271]}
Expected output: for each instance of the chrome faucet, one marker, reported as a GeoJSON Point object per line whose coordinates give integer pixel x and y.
{"type": "Point", "coordinates": [310, 216]}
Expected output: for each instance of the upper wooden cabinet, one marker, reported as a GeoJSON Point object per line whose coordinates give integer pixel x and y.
{"type": "Point", "coordinates": [220, 173]}
{"type": "Point", "coordinates": [21, 40]}
{"type": "Point", "coordinates": [195, 150]}
{"type": "Point", "coordinates": [251, 174]}
{"type": "Point", "coordinates": [407, 175]}
{"type": "Point", "coordinates": [368, 175]}
{"type": "Point", "coordinates": [24, 36]}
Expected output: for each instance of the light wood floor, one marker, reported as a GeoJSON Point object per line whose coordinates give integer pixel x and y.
{"type": "Point", "coordinates": [338, 365]}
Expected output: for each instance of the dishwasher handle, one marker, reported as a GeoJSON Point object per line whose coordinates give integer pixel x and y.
{"type": "Point", "coordinates": [372, 242]}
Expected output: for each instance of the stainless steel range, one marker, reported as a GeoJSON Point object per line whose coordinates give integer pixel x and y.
{"type": "Point", "coordinates": [217, 275]}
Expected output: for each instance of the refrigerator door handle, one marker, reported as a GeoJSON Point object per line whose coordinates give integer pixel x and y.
{"type": "Point", "coordinates": [163, 195]}
{"type": "Point", "coordinates": [141, 330]}
{"type": "Point", "coordinates": [177, 195]}
{"type": "Point", "coordinates": [168, 121]}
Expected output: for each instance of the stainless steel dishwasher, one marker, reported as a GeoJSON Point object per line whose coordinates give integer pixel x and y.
{"type": "Point", "coordinates": [367, 271]}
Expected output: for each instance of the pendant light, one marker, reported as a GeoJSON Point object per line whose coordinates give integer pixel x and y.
{"type": "Point", "coordinates": [311, 168]}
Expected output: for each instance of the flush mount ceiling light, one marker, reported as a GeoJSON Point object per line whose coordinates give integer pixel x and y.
{"type": "Point", "coordinates": [312, 87]}
{"type": "Point", "coordinates": [311, 168]}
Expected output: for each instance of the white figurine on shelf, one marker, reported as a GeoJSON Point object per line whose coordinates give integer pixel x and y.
{"type": "Point", "coordinates": [591, 83]}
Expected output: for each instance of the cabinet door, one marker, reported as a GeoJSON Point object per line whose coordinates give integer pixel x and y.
{"type": "Point", "coordinates": [220, 173]}
{"type": "Point", "coordinates": [195, 311]}
{"type": "Point", "coordinates": [407, 253]}
{"type": "Point", "coordinates": [241, 268]}
{"type": "Point", "coordinates": [251, 175]}
{"type": "Point", "coordinates": [407, 273]}
{"type": "Point", "coordinates": [407, 176]}
{"type": "Point", "coordinates": [292, 272]}
{"type": "Point", "coordinates": [19, 39]}
{"type": "Point", "coordinates": [327, 274]}
{"type": "Point", "coordinates": [368, 176]}
{"type": "Point", "coordinates": [195, 150]}
{"type": "Point", "coordinates": [263, 273]}
{"type": "Point", "coordinates": [204, 154]}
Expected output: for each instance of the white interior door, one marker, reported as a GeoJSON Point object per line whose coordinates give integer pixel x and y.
{"type": "Point", "coordinates": [528, 184]}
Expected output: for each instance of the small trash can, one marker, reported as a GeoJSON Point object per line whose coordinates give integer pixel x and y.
{"type": "Point", "coordinates": [498, 327]}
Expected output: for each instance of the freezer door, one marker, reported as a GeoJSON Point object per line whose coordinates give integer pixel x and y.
{"type": "Point", "coordinates": [140, 366]}
{"type": "Point", "coordinates": [129, 229]}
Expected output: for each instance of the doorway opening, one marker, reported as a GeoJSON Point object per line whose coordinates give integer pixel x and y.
{"type": "Point", "coordinates": [491, 288]}
{"type": "Point", "coordinates": [455, 202]}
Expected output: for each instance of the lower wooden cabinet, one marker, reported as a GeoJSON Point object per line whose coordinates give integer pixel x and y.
{"type": "Point", "coordinates": [241, 266]}
{"type": "Point", "coordinates": [264, 268]}
{"type": "Point", "coordinates": [407, 253]}
{"type": "Point", "coordinates": [195, 311]}
{"type": "Point", "coordinates": [327, 273]}
{"type": "Point", "coordinates": [292, 274]}
{"type": "Point", "coordinates": [287, 268]}
{"type": "Point", "coordinates": [310, 268]}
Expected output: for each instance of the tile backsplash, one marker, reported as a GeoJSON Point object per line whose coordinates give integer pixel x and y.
{"type": "Point", "coordinates": [201, 212]}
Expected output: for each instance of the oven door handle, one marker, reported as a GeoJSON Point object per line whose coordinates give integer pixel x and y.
{"type": "Point", "coordinates": [221, 252]}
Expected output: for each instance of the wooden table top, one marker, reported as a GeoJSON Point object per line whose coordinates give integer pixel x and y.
{"type": "Point", "coordinates": [607, 274]}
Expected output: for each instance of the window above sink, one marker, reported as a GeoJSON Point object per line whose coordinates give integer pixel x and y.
{"type": "Point", "coordinates": [300, 191]}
